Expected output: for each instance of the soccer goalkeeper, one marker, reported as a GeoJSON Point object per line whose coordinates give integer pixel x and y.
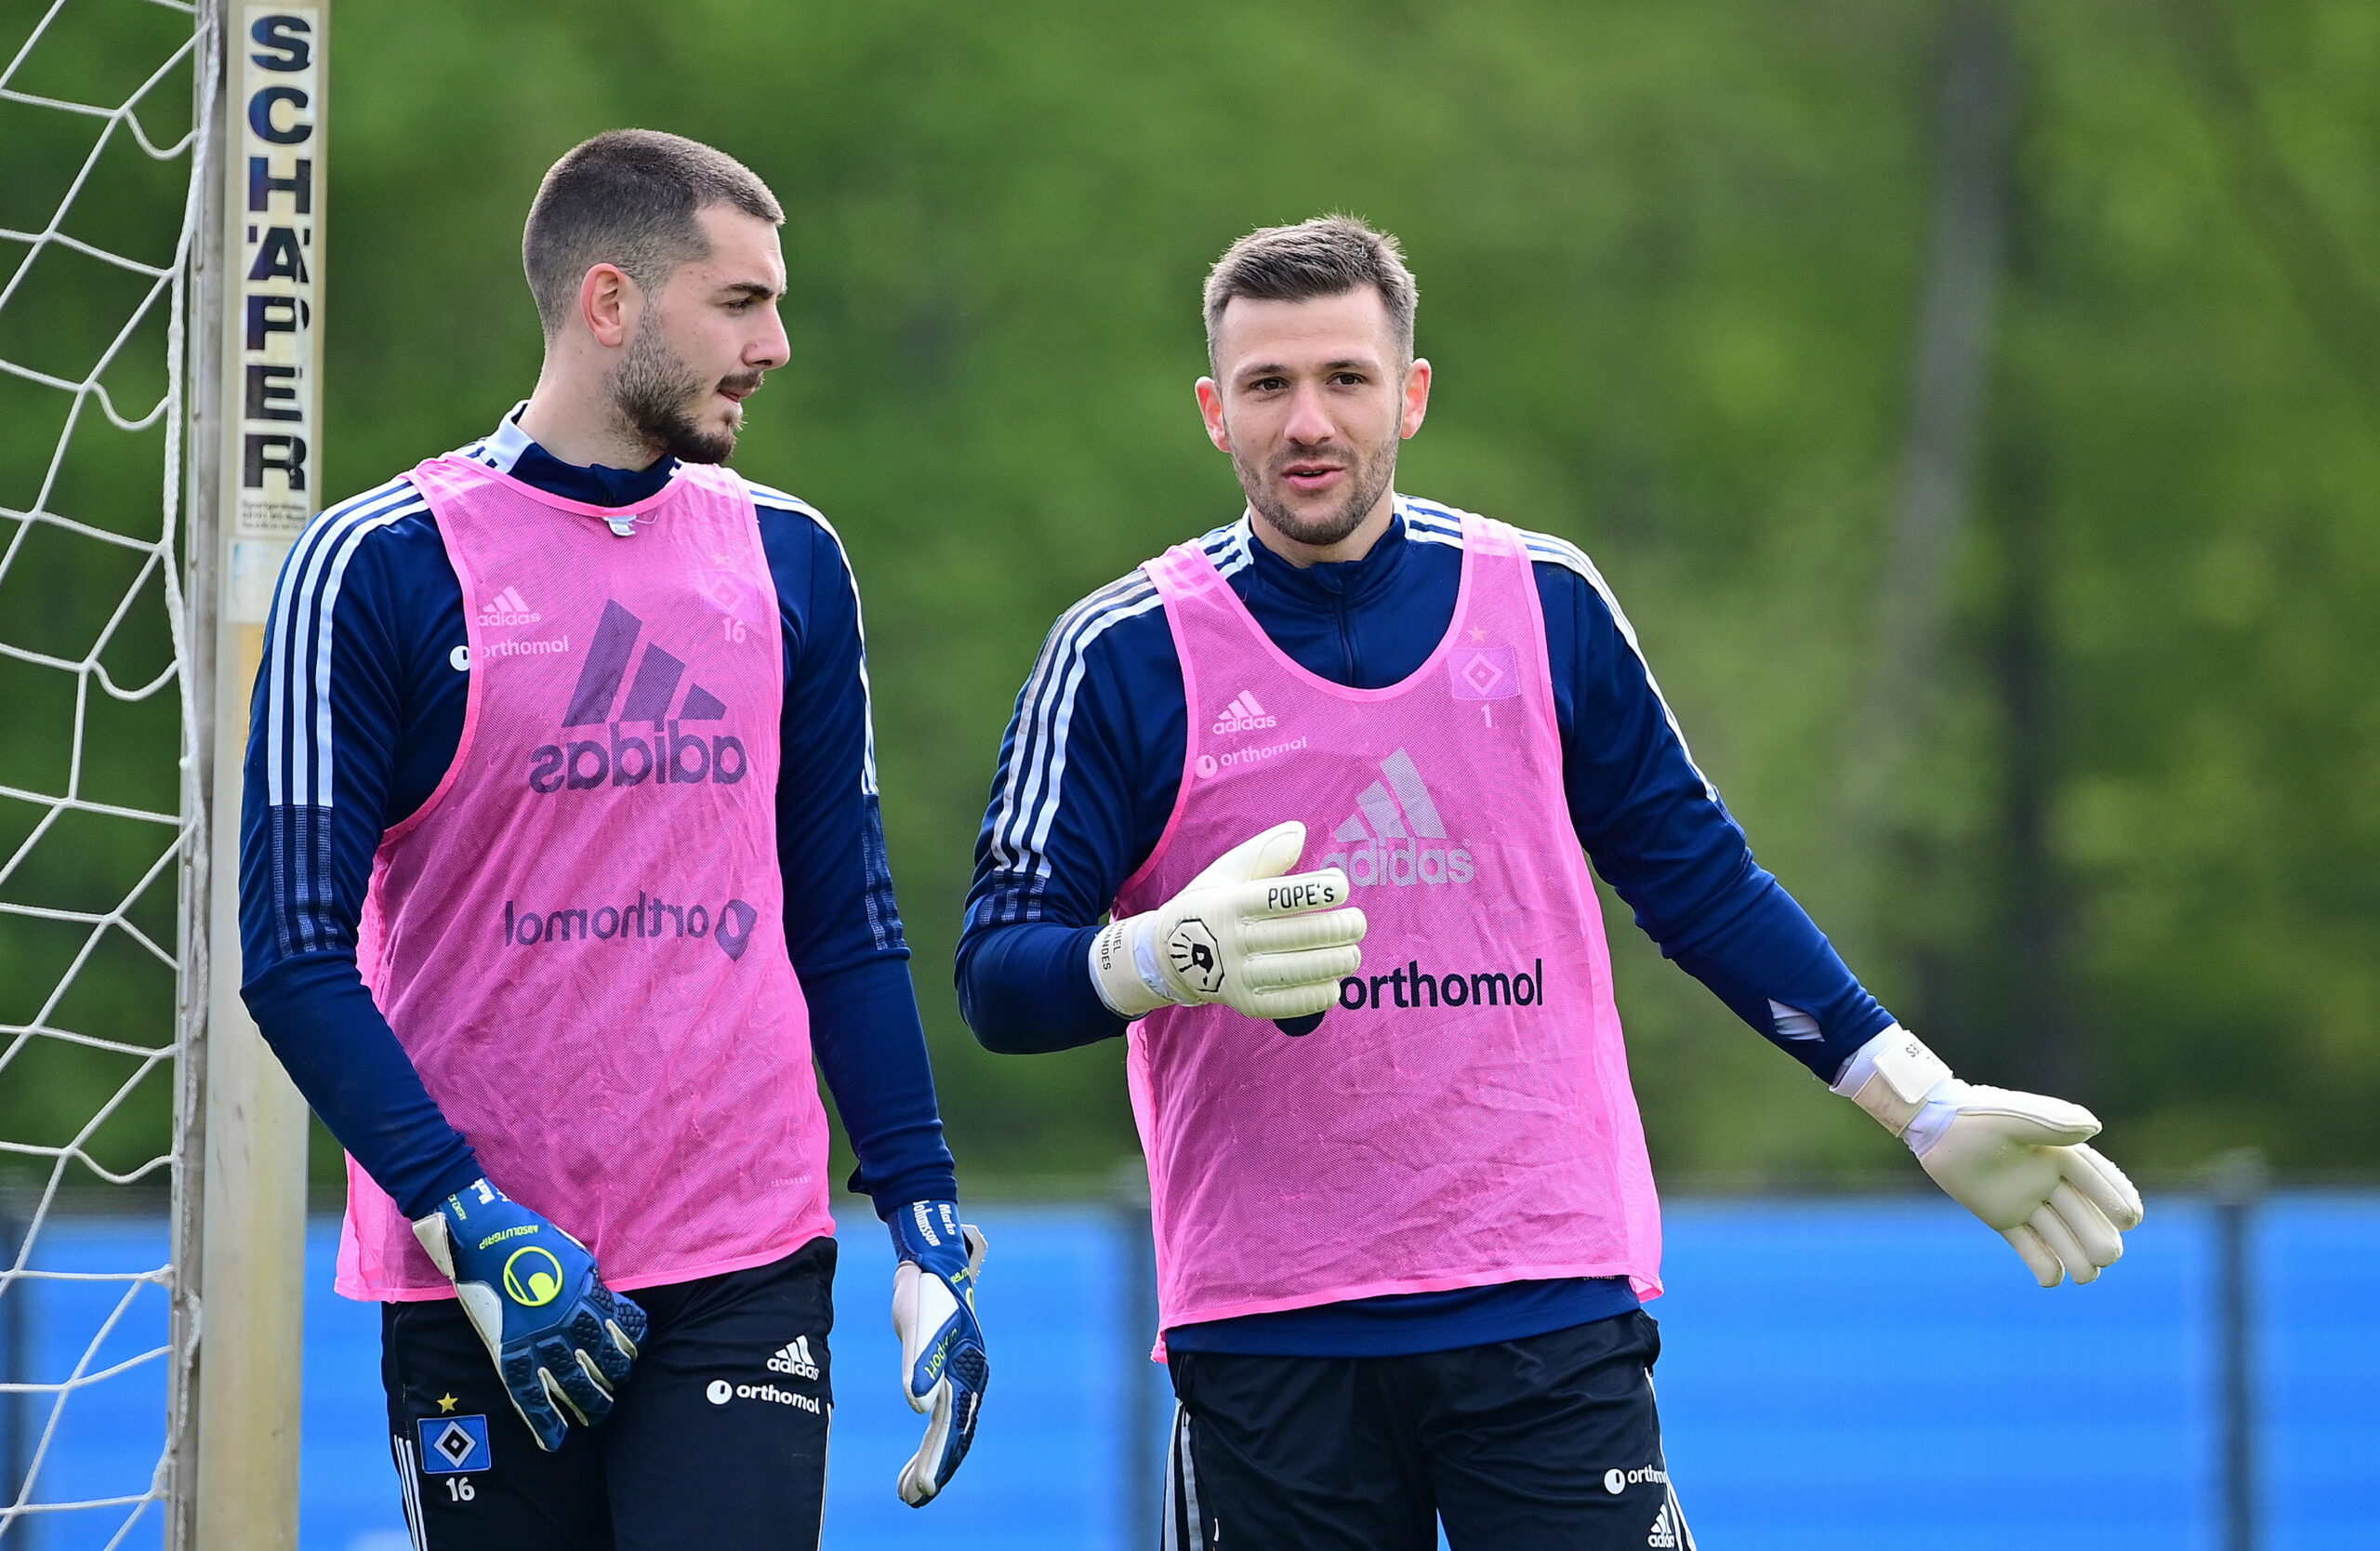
{"type": "Point", "coordinates": [561, 860]}
{"type": "Point", "coordinates": [1328, 773]}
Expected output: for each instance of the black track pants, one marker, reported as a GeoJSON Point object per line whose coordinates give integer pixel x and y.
{"type": "Point", "coordinates": [1551, 1441]}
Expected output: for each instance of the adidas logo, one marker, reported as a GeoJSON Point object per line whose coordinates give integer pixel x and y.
{"type": "Point", "coordinates": [1384, 837]}
{"type": "Point", "coordinates": [509, 607]}
{"type": "Point", "coordinates": [671, 757]}
{"type": "Point", "coordinates": [1245, 714]}
{"type": "Point", "coordinates": [1381, 812]}
{"type": "Point", "coordinates": [794, 1357]}
{"type": "Point", "coordinates": [1663, 1534]}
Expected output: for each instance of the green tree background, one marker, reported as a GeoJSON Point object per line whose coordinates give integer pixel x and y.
{"type": "Point", "coordinates": [1672, 261]}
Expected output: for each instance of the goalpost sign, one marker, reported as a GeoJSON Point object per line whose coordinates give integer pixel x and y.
{"type": "Point", "coordinates": [254, 482]}
{"type": "Point", "coordinates": [273, 191]}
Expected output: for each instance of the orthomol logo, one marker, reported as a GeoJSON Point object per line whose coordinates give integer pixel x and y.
{"type": "Point", "coordinates": [1209, 764]}
{"type": "Point", "coordinates": [648, 918]}
{"type": "Point", "coordinates": [1415, 986]}
{"type": "Point", "coordinates": [669, 755]}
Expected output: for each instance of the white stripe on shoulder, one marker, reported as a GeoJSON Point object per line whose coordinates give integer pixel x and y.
{"type": "Point", "coordinates": [1028, 799]}
{"type": "Point", "coordinates": [1055, 672]}
{"type": "Point", "coordinates": [1437, 520]}
{"type": "Point", "coordinates": [297, 744]}
{"type": "Point", "coordinates": [777, 500]}
{"type": "Point", "coordinates": [290, 622]}
{"type": "Point", "coordinates": [1432, 520]}
{"type": "Point", "coordinates": [1546, 546]}
{"type": "Point", "coordinates": [1045, 707]}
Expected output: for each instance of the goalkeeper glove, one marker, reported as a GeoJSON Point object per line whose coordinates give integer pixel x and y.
{"type": "Point", "coordinates": [561, 1340]}
{"type": "Point", "coordinates": [2017, 1161]}
{"type": "Point", "coordinates": [943, 1368]}
{"type": "Point", "coordinates": [1239, 933]}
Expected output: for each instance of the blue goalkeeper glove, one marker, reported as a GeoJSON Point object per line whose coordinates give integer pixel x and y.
{"type": "Point", "coordinates": [561, 1340]}
{"type": "Point", "coordinates": [943, 1369]}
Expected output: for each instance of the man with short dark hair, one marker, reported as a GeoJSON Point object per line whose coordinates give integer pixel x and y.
{"type": "Point", "coordinates": [560, 861]}
{"type": "Point", "coordinates": [1328, 773]}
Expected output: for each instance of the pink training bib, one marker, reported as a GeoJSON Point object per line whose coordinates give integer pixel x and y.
{"type": "Point", "coordinates": [1463, 1117]}
{"type": "Point", "coordinates": [579, 938]}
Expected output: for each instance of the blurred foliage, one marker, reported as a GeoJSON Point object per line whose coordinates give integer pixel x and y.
{"type": "Point", "coordinates": [1669, 258]}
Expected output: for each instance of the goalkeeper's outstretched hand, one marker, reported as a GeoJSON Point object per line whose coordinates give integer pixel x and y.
{"type": "Point", "coordinates": [561, 1340]}
{"type": "Point", "coordinates": [944, 1366]}
{"type": "Point", "coordinates": [2017, 1161]}
{"type": "Point", "coordinates": [1239, 933]}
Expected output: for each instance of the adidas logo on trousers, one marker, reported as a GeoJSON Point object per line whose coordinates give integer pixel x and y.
{"type": "Point", "coordinates": [794, 1357]}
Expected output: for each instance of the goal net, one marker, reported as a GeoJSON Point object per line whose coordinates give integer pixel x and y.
{"type": "Point", "coordinates": [114, 158]}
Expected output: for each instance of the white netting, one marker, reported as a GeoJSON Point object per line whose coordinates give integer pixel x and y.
{"type": "Point", "coordinates": [98, 202]}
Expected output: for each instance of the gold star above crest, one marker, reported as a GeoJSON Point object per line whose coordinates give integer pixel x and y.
{"type": "Point", "coordinates": [1477, 635]}
{"type": "Point", "coordinates": [446, 1404]}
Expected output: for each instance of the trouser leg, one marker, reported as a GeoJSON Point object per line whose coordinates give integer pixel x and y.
{"type": "Point", "coordinates": [1551, 1441]}
{"type": "Point", "coordinates": [1273, 1453]}
{"type": "Point", "coordinates": [472, 1473]}
{"type": "Point", "coordinates": [720, 1437]}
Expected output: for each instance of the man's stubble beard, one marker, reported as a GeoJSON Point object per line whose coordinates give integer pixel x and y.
{"type": "Point", "coordinates": [1370, 473]}
{"type": "Point", "coordinates": [653, 390]}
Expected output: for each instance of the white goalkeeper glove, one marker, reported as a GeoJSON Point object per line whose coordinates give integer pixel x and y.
{"type": "Point", "coordinates": [2017, 1161]}
{"type": "Point", "coordinates": [1239, 933]}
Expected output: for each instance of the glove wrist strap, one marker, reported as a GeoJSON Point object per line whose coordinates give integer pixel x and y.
{"type": "Point", "coordinates": [1143, 940]}
{"type": "Point", "coordinates": [1890, 1078]}
{"type": "Point", "coordinates": [1124, 968]}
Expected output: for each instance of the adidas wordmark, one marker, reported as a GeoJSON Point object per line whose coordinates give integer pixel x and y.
{"type": "Point", "coordinates": [1245, 714]}
{"type": "Point", "coordinates": [507, 608]}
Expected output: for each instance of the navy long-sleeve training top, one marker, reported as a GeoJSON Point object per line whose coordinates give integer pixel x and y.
{"type": "Point", "coordinates": [1090, 767]}
{"type": "Point", "coordinates": [361, 692]}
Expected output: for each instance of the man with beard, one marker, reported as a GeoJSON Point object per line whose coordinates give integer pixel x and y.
{"type": "Point", "coordinates": [1405, 1222]}
{"type": "Point", "coordinates": [561, 858]}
